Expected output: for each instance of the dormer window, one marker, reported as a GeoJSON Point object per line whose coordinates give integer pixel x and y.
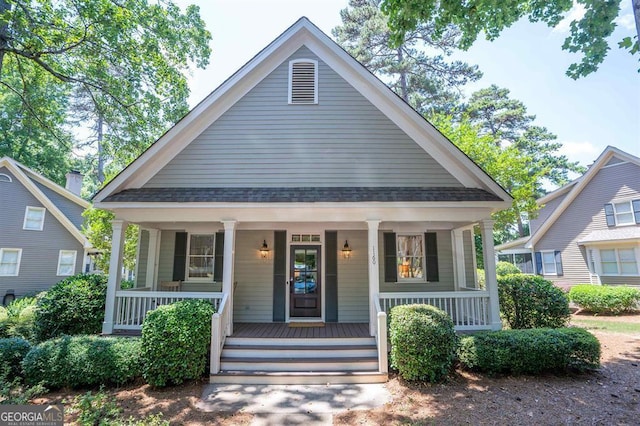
{"type": "Point", "coordinates": [303, 82]}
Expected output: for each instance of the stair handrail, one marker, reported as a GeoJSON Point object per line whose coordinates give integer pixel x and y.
{"type": "Point", "coordinates": [219, 332]}
{"type": "Point", "coordinates": [381, 335]}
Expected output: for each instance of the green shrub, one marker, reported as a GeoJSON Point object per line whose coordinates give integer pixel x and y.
{"type": "Point", "coordinates": [74, 361]}
{"type": "Point", "coordinates": [175, 341]}
{"type": "Point", "coordinates": [423, 342]}
{"type": "Point", "coordinates": [601, 299]}
{"type": "Point", "coordinates": [481, 279]}
{"type": "Point", "coordinates": [18, 318]}
{"type": "Point", "coordinates": [12, 351]}
{"type": "Point", "coordinates": [530, 351]}
{"type": "Point", "coordinates": [506, 268]}
{"type": "Point", "coordinates": [73, 306]}
{"type": "Point", "coordinates": [127, 284]}
{"type": "Point", "coordinates": [101, 408]}
{"type": "Point", "coordinates": [529, 301]}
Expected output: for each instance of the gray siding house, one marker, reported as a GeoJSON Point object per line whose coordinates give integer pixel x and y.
{"type": "Point", "coordinates": [303, 191]}
{"type": "Point", "coordinates": [41, 241]}
{"type": "Point", "coordinates": [589, 230]}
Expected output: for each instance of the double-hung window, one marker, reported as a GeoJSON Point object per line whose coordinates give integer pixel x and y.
{"type": "Point", "coordinates": [549, 263]}
{"type": "Point", "coordinates": [200, 257]}
{"type": "Point", "coordinates": [67, 262]}
{"type": "Point", "coordinates": [622, 213]}
{"type": "Point", "coordinates": [34, 218]}
{"type": "Point", "coordinates": [410, 252]}
{"type": "Point", "coordinates": [10, 262]}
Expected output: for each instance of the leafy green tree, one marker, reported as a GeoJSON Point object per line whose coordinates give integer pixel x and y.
{"type": "Point", "coordinates": [125, 60]}
{"type": "Point", "coordinates": [587, 36]}
{"type": "Point", "coordinates": [97, 227]}
{"type": "Point", "coordinates": [509, 166]}
{"type": "Point", "coordinates": [417, 69]}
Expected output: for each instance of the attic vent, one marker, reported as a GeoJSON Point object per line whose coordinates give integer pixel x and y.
{"type": "Point", "coordinates": [303, 81]}
{"type": "Point", "coordinates": [5, 178]}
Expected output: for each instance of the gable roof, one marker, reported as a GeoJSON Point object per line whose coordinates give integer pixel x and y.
{"type": "Point", "coordinates": [576, 187]}
{"type": "Point", "coordinates": [28, 179]}
{"type": "Point", "coordinates": [301, 33]}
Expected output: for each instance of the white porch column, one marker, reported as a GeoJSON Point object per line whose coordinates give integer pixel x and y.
{"type": "Point", "coordinates": [374, 272]}
{"type": "Point", "coordinates": [115, 272]}
{"type": "Point", "coordinates": [152, 256]}
{"type": "Point", "coordinates": [227, 271]}
{"type": "Point", "coordinates": [459, 272]}
{"type": "Point", "coordinates": [491, 281]}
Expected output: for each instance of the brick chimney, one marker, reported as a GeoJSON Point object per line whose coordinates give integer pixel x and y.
{"type": "Point", "coordinates": [74, 182]}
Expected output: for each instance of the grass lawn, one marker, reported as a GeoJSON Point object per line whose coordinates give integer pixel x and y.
{"type": "Point", "coordinates": [609, 325]}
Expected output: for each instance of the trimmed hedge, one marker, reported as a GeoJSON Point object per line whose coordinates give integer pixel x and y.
{"type": "Point", "coordinates": [12, 352]}
{"type": "Point", "coordinates": [529, 301]}
{"type": "Point", "coordinates": [73, 306]}
{"type": "Point", "coordinates": [75, 361]}
{"type": "Point", "coordinates": [530, 351]}
{"type": "Point", "coordinates": [601, 299]}
{"type": "Point", "coordinates": [175, 341]}
{"type": "Point", "coordinates": [423, 342]}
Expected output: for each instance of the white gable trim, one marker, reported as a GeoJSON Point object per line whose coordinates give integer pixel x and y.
{"type": "Point", "coordinates": [19, 171]}
{"type": "Point", "coordinates": [303, 32]}
{"type": "Point", "coordinates": [583, 181]}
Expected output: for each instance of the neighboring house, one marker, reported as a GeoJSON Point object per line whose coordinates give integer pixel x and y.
{"type": "Point", "coordinates": [304, 190]}
{"type": "Point", "coordinates": [588, 231]}
{"type": "Point", "coordinates": [41, 241]}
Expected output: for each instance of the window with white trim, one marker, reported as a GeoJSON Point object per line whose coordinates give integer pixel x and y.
{"type": "Point", "coordinates": [34, 218]}
{"type": "Point", "coordinates": [67, 262]}
{"type": "Point", "coordinates": [303, 81]}
{"type": "Point", "coordinates": [618, 261]}
{"type": "Point", "coordinates": [410, 253]}
{"type": "Point", "coordinates": [10, 262]}
{"type": "Point", "coordinates": [549, 263]}
{"type": "Point", "coordinates": [200, 257]}
{"type": "Point", "coordinates": [623, 213]}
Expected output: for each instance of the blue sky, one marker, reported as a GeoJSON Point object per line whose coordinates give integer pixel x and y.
{"type": "Point", "coordinates": [586, 115]}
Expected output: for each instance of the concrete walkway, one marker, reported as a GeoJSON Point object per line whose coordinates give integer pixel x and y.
{"type": "Point", "coordinates": [307, 405]}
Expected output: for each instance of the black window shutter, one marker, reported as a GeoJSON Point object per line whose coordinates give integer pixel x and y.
{"type": "Point", "coordinates": [180, 256]}
{"type": "Point", "coordinates": [390, 258]}
{"type": "Point", "coordinates": [558, 256]}
{"type": "Point", "coordinates": [608, 213]}
{"type": "Point", "coordinates": [538, 263]}
{"type": "Point", "coordinates": [279, 275]}
{"type": "Point", "coordinates": [218, 257]}
{"type": "Point", "coordinates": [431, 256]}
{"type": "Point", "coordinates": [636, 210]}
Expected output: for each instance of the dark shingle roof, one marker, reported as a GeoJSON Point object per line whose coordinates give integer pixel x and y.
{"type": "Point", "coordinates": [299, 195]}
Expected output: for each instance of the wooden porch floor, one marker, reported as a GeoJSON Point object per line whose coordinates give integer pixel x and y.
{"type": "Point", "coordinates": [282, 330]}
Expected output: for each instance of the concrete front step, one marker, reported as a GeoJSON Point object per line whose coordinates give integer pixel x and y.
{"type": "Point", "coordinates": [325, 341]}
{"type": "Point", "coordinates": [297, 378]}
{"type": "Point", "coordinates": [287, 364]}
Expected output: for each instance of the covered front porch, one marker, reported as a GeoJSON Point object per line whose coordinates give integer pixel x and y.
{"type": "Point", "coordinates": [262, 278]}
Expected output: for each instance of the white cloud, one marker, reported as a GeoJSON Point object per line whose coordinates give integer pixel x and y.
{"type": "Point", "coordinates": [575, 14]}
{"type": "Point", "coordinates": [584, 152]}
{"type": "Point", "coordinates": [626, 21]}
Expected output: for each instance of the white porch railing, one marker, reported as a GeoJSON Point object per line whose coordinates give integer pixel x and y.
{"type": "Point", "coordinates": [469, 310]}
{"type": "Point", "coordinates": [381, 337]}
{"type": "Point", "coordinates": [132, 306]}
{"type": "Point", "coordinates": [220, 322]}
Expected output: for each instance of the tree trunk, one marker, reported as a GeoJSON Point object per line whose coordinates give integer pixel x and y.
{"type": "Point", "coordinates": [4, 32]}
{"type": "Point", "coordinates": [521, 232]}
{"type": "Point", "coordinates": [99, 129]}
{"type": "Point", "coordinates": [403, 76]}
{"type": "Point", "coordinates": [635, 5]}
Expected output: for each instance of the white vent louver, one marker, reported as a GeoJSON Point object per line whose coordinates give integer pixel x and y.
{"type": "Point", "coordinates": [303, 82]}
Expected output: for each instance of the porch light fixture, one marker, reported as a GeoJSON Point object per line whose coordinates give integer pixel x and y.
{"type": "Point", "coordinates": [346, 250]}
{"type": "Point", "coordinates": [264, 250]}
